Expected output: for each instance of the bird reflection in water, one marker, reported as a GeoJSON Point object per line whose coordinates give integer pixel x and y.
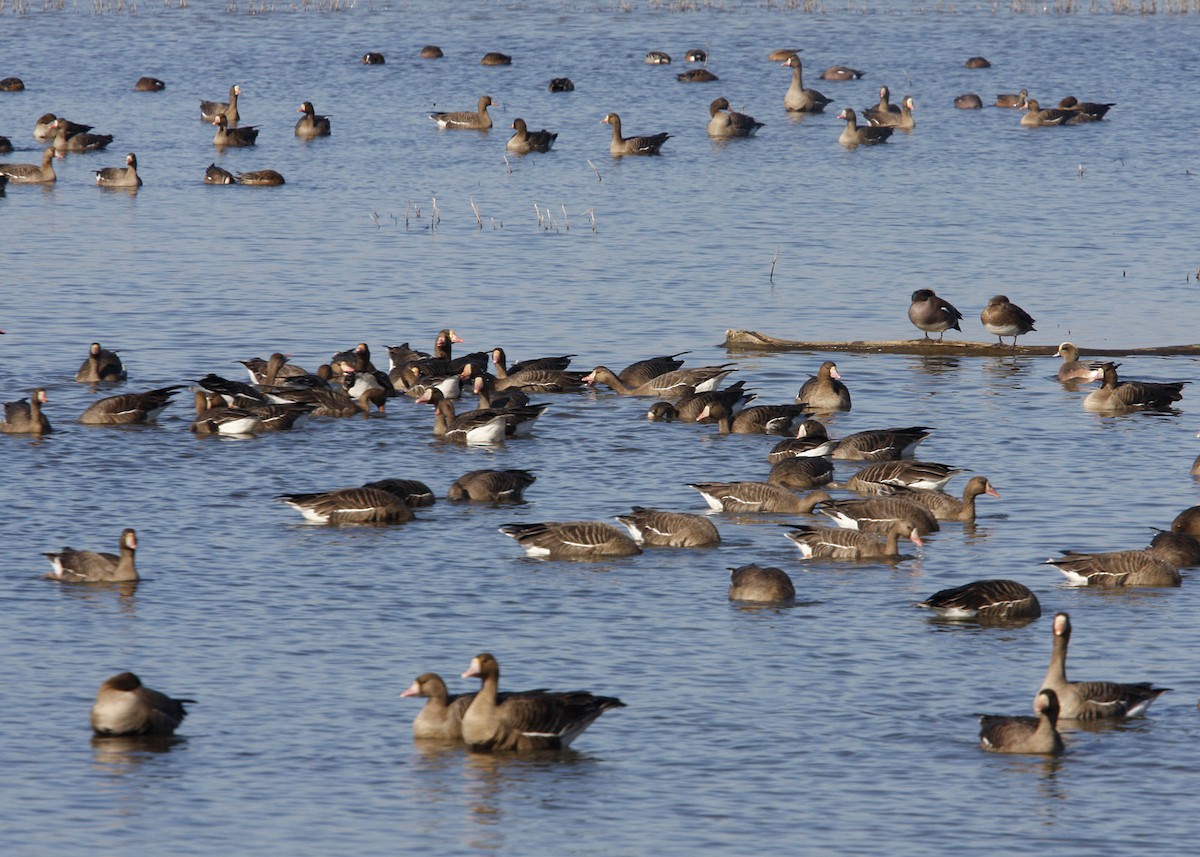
{"type": "Point", "coordinates": [125, 754]}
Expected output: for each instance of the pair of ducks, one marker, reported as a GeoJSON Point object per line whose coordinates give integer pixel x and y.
{"type": "Point", "coordinates": [1001, 317]}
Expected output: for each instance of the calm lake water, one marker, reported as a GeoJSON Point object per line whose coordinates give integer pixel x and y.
{"type": "Point", "coordinates": [844, 724]}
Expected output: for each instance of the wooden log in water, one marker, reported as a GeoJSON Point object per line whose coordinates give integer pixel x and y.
{"type": "Point", "coordinates": [752, 340]}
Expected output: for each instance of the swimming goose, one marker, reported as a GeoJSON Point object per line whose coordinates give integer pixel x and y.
{"type": "Point", "coordinates": [492, 486]}
{"type": "Point", "coordinates": [1088, 700]}
{"type": "Point", "coordinates": [1036, 117]}
{"type": "Point", "coordinates": [533, 720]}
{"type": "Point", "coordinates": [129, 408]}
{"type": "Point", "coordinates": [1027, 735]}
{"type": "Point", "coordinates": [276, 417]}
{"type": "Point", "coordinates": [544, 375]}
{"type": "Point", "coordinates": [810, 441]}
{"type": "Point", "coordinates": [149, 84]}
{"type": "Point", "coordinates": [519, 419]}
{"type": "Point", "coordinates": [350, 506]}
{"type": "Point", "coordinates": [677, 383]}
{"type": "Point", "coordinates": [24, 416]}
{"type": "Point", "coordinates": [841, 72]}
{"type": "Point", "coordinates": [12, 84]}
{"type": "Point", "coordinates": [1072, 370]}
{"type": "Point", "coordinates": [932, 314]}
{"type": "Point", "coordinates": [1187, 521]}
{"type": "Point", "coordinates": [413, 492]}
{"type": "Point", "coordinates": [431, 52]}
{"type": "Point", "coordinates": [1009, 99]}
{"type": "Point", "coordinates": [883, 112]}
{"type": "Point", "coordinates": [213, 416]}
{"type": "Point", "coordinates": [42, 173]}
{"type": "Point", "coordinates": [985, 601]}
{"type": "Point", "coordinates": [441, 716]}
{"type": "Point", "coordinates": [1116, 568]}
{"type": "Point", "coordinates": [801, 472]}
{"type": "Point", "coordinates": [696, 75]}
{"type": "Point", "coordinates": [825, 390]}
{"type": "Point", "coordinates": [126, 176]}
{"type": "Point", "coordinates": [852, 135]}
{"type": "Point", "coordinates": [977, 62]}
{"type": "Point", "coordinates": [878, 514]}
{"type": "Point", "coordinates": [474, 428]}
{"type": "Point", "coordinates": [210, 110]}
{"type": "Point", "coordinates": [1085, 111]}
{"type": "Point", "coordinates": [1001, 317]}
{"type": "Point", "coordinates": [571, 540]}
{"type": "Point", "coordinates": [90, 566]}
{"type": "Point", "coordinates": [968, 101]}
{"type": "Point", "coordinates": [1179, 549]}
{"type": "Point", "coordinates": [65, 141]}
{"type": "Point", "coordinates": [262, 178]}
{"type": "Point", "coordinates": [503, 370]}
{"type": "Point", "coordinates": [465, 120]}
{"type": "Point", "coordinates": [797, 98]}
{"type": "Point", "coordinates": [903, 120]}
{"type": "Point", "coordinates": [645, 145]}
{"type": "Point", "coordinates": [1116, 396]}
{"type": "Point", "coordinates": [125, 706]}
{"type": "Point", "coordinates": [311, 125]}
{"type": "Point", "coordinates": [561, 84]}
{"type": "Point", "coordinates": [670, 529]}
{"type": "Point", "coordinates": [888, 444]}
{"type": "Point", "coordinates": [44, 129]}
{"type": "Point", "coordinates": [946, 507]}
{"type": "Point", "coordinates": [217, 175]}
{"type": "Point", "coordinates": [226, 136]}
{"type": "Point", "coordinates": [489, 397]}
{"type": "Point", "coordinates": [756, 497]}
{"type": "Point", "coordinates": [495, 58]}
{"type": "Point", "coordinates": [724, 122]}
{"type": "Point", "coordinates": [524, 141]}
{"type": "Point", "coordinates": [757, 419]}
{"type": "Point", "coordinates": [756, 583]}
{"type": "Point", "coordinates": [689, 408]}
{"type": "Point", "coordinates": [100, 365]}
{"type": "Point", "coordinates": [882, 476]}
{"type": "Point", "coordinates": [836, 543]}
{"type": "Point", "coordinates": [228, 389]}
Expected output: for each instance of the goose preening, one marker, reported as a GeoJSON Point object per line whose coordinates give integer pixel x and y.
{"type": "Point", "coordinates": [100, 365]}
{"type": "Point", "coordinates": [1072, 371]}
{"type": "Point", "coordinates": [1027, 735]}
{"type": "Point", "coordinates": [1001, 318]}
{"type": "Point", "coordinates": [883, 476]}
{"type": "Point", "coordinates": [669, 529]}
{"type": "Point", "coordinates": [125, 706]}
{"type": "Point", "coordinates": [466, 120]}
{"type": "Point", "coordinates": [94, 567]}
{"type": "Point", "coordinates": [931, 314]}
{"type": "Point", "coordinates": [571, 540]}
{"type": "Point", "coordinates": [129, 408]}
{"type": "Point", "coordinates": [492, 486]}
{"type": "Point", "coordinates": [126, 176]}
{"type": "Point", "coordinates": [1010, 99]}
{"type": "Point", "coordinates": [724, 122]}
{"type": "Point", "coordinates": [42, 173]}
{"type": "Point", "coordinates": [523, 141]}
{"type": "Point", "coordinates": [985, 601]}
{"type": "Point", "coordinates": [44, 128]}
{"type": "Point", "coordinates": [24, 416]}
{"type": "Point", "coordinates": [797, 98]}
{"type": "Point", "coordinates": [878, 514]}
{"type": "Point", "coordinates": [946, 507]}
{"type": "Point", "coordinates": [1116, 568]}
{"type": "Point", "coordinates": [233, 137]}
{"type": "Point", "coordinates": [673, 384]}
{"type": "Point", "coordinates": [350, 506]}
{"type": "Point", "coordinates": [825, 391]}
{"type": "Point", "coordinates": [855, 135]}
{"type": "Point", "coordinates": [1089, 700]}
{"type": "Point", "coordinates": [1115, 396]}
{"type": "Point", "coordinates": [311, 125]}
{"type": "Point", "coordinates": [758, 583]}
{"type": "Point", "coordinates": [758, 419]}
{"type": "Point", "coordinates": [210, 110]}
{"type": "Point", "coordinates": [1036, 117]}
{"type": "Point", "coordinates": [836, 543]}
{"type": "Point", "coordinates": [642, 145]}
{"type": "Point", "coordinates": [441, 716]}
{"type": "Point", "coordinates": [756, 497]}
{"type": "Point", "coordinates": [801, 472]}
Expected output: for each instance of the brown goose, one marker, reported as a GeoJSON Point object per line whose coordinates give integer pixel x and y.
{"type": "Point", "coordinates": [465, 120]}
{"type": "Point", "coordinates": [1179, 549]}
{"type": "Point", "coordinates": [441, 717]}
{"type": "Point", "coordinates": [489, 397]}
{"type": "Point", "coordinates": [65, 141]}
{"type": "Point", "coordinates": [413, 492]}
{"type": "Point", "coordinates": [1187, 521]}
{"type": "Point", "coordinates": [100, 365]}
{"type": "Point", "coordinates": [217, 175]}
{"type": "Point", "coordinates": [669, 529]}
{"type": "Point", "coordinates": [533, 720]}
{"type": "Point", "coordinates": [1116, 568]}
{"type": "Point", "coordinates": [129, 408]}
{"type": "Point", "coordinates": [724, 122]}
{"type": "Point", "coordinates": [810, 441]}
{"type": "Point", "coordinates": [882, 476]}
{"type": "Point", "coordinates": [210, 110]}
{"type": "Point", "coordinates": [350, 506]}
{"type": "Point", "coordinates": [878, 514]}
{"type": "Point", "coordinates": [836, 543]}
{"type": "Point", "coordinates": [571, 540]}
{"type": "Point", "coordinates": [311, 125]}
{"type": "Point", "coordinates": [90, 566]}
{"type": "Point", "coordinates": [25, 416]}
{"type": "Point", "coordinates": [561, 84]}
{"type": "Point", "coordinates": [44, 129]}
{"type": "Point", "coordinates": [1116, 396]}
{"type": "Point", "coordinates": [503, 370]}
{"type": "Point", "coordinates": [274, 370]}
{"type": "Point", "coordinates": [756, 583]}
{"type": "Point", "coordinates": [276, 417]}
{"type": "Point", "coordinates": [266, 178]}
{"type": "Point", "coordinates": [126, 176]}
{"type": "Point", "coordinates": [932, 314]}
{"type": "Point", "coordinates": [1009, 99]}
{"type": "Point", "coordinates": [689, 408]}
{"type": "Point", "coordinates": [1089, 700]}
{"type": "Point", "coordinates": [226, 136]}
{"type": "Point", "coordinates": [213, 416]}
{"type": "Point", "coordinates": [841, 72]}
{"type": "Point", "coordinates": [431, 52]}
{"type": "Point", "coordinates": [756, 497]}
{"type": "Point", "coordinates": [125, 706]}
{"type": "Point", "coordinates": [644, 145]}
{"type": "Point", "coordinates": [977, 62]}
{"type": "Point", "coordinates": [1036, 736]}
{"type": "Point", "coordinates": [945, 507]}
{"type": "Point", "coordinates": [797, 98]}
{"type": "Point", "coordinates": [882, 113]}
{"type": "Point", "coordinates": [852, 135]}
{"type": "Point", "coordinates": [492, 486]}
{"type": "Point", "coordinates": [759, 419]}
{"type": "Point", "coordinates": [680, 382]}
{"type": "Point", "coordinates": [1001, 317]}
{"type": "Point", "coordinates": [326, 403]}
{"type": "Point", "coordinates": [1085, 111]}
{"type": "Point", "coordinates": [543, 375]}
{"type": "Point", "coordinates": [903, 120]}
{"type": "Point", "coordinates": [518, 419]}
{"type": "Point", "coordinates": [1073, 371]}
{"type": "Point", "coordinates": [1036, 117]}
{"type": "Point", "coordinates": [641, 371]}
{"type": "Point", "coordinates": [495, 58]}
{"type": "Point", "coordinates": [149, 84]}
{"type": "Point", "coordinates": [523, 141]}
{"type": "Point", "coordinates": [696, 75]}
{"type": "Point", "coordinates": [825, 390]}
{"type": "Point", "coordinates": [801, 472]}
{"type": "Point", "coordinates": [12, 84]}
{"type": "Point", "coordinates": [32, 173]}
{"type": "Point", "coordinates": [888, 444]}
{"type": "Point", "coordinates": [781, 54]}
{"type": "Point", "coordinates": [968, 101]}
{"type": "Point", "coordinates": [985, 601]}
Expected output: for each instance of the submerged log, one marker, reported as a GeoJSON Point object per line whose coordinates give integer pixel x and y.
{"type": "Point", "coordinates": [752, 340]}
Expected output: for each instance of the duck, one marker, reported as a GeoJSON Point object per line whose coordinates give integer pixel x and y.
{"type": "Point", "coordinates": [669, 529]}
{"type": "Point", "coordinates": [689, 407]}
{"type": "Point", "coordinates": [533, 720]}
{"type": "Point", "coordinates": [1036, 117]}
{"type": "Point", "coordinates": [798, 99]}
{"type": "Point", "coordinates": [213, 416]}
{"type": "Point", "coordinates": [210, 110]}
{"type": "Point", "coordinates": [92, 567]}
{"type": "Point", "coordinates": [852, 135]}
{"type": "Point", "coordinates": [903, 120]}
{"type": "Point", "coordinates": [24, 416]}
{"type": "Point", "coordinates": [756, 497]}
{"type": "Point", "coordinates": [129, 408]}
{"type": "Point", "coordinates": [945, 507]}
{"type": "Point", "coordinates": [126, 176]}
{"type": "Point", "coordinates": [217, 175]}
{"type": "Point", "coordinates": [65, 141]}
{"type": "Point", "coordinates": [1085, 111]}
{"type": "Point", "coordinates": [677, 383]}
{"type": "Point", "coordinates": [883, 476]}
{"type": "Point", "coordinates": [825, 390]}
{"type": "Point", "coordinates": [1071, 371]}
{"type": "Point", "coordinates": [696, 75]}
{"type": "Point", "coordinates": [226, 136]}
{"type": "Point", "coordinates": [431, 52]}
{"type": "Point", "coordinates": [495, 58]}
{"type": "Point", "coordinates": [881, 112]}
{"type": "Point", "coordinates": [491, 486]}
{"type": "Point", "coordinates": [641, 371]}
{"type": "Point", "coordinates": [1036, 736]}
{"type": "Point", "coordinates": [486, 427]}
{"type": "Point", "coordinates": [1115, 396]}
{"type": "Point", "coordinates": [977, 62]}
{"type": "Point", "coordinates": [724, 122]}
{"type": "Point", "coordinates": [561, 84]}
{"type": "Point", "coordinates": [878, 514]}
{"type": "Point", "coordinates": [524, 141]}
{"type": "Point", "coordinates": [985, 601]}
{"type": "Point", "coordinates": [42, 173]}
{"type": "Point", "coordinates": [311, 125]}
{"type": "Point", "coordinates": [1116, 569]}
{"type": "Point", "coordinates": [441, 716]}
{"type": "Point", "coordinates": [571, 540]}
{"type": "Point", "coordinates": [968, 101]}
{"type": "Point", "coordinates": [362, 505]}
{"type": "Point", "coordinates": [373, 58]}
{"type": "Point", "coordinates": [125, 706]}
{"type": "Point", "coordinates": [1091, 700]}
{"type": "Point", "coordinates": [836, 543]}
{"type": "Point", "coordinates": [657, 58]}
{"type": "Point", "coordinates": [931, 314]}
{"type": "Point", "coordinates": [465, 120]}
{"type": "Point", "coordinates": [645, 145]}
{"type": "Point", "coordinates": [801, 472]}
{"type": "Point", "coordinates": [758, 419]}
{"type": "Point", "coordinates": [45, 129]}
{"type": "Point", "coordinates": [1009, 99]}
{"type": "Point", "coordinates": [757, 583]}
{"type": "Point", "coordinates": [1001, 317]}
{"type": "Point", "coordinates": [267, 178]}
{"type": "Point", "coordinates": [149, 84]}
{"type": "Point", "coordinates": [696, 55]}
{"type": "Point", "coordinates": [841, 72]}
{"type": "Point", "coordinates": [100, 365]}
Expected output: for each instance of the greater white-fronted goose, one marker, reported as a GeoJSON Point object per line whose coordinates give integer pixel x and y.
{"type": "Point", "coordinates": [985, 601]}
{"type": "Point", "coordinates": [810, 441]}
{"type": "Point", "coordinates": [1115, 396]}
{"type": "Point", "coordinates": [210, 110]}
{"type": "Point", "coordinates": [325, 402]}
{"type": "Point", "coordinates": [757, 419]}
{"type": "Point", "coordinates": [149, 84]}
{"type": "Point", "coordinates": [642, 145]}
{"type": "Point", "coordinates": [696, 55]}
{"type": "Point", "coordinates": [532, 376]}
{"type": "Point", "coordinates": [373, 58]}
{"type": "Point", "coordinates": [213, 416]}
{"type": "Point", "coordinates": [229, 390]}
{"type": "Point", "coordinates": [968, 101]}
{"type": "Point", "coordinates": [12, 84]}
{"type": "Point", "coordinates": [226, 136]}
{"type": "Point", "coordinates": [1072, 371]}
{"type": "Point", "coordinates": [492, 486]}
{"type": "Point", "coordinates": [825, 390]}
{"type": "Point", "coordinates": [756, 497]}
{"type": "Point", "coordinates": [903, 120]}
{"type": "Point", "coordinates": [1179, 549]}
{"type": "Point", "coordinates": [758, 583]}
{"type": "Point", "coordinates": [44, 129]}
{"type": "Point", "coordinates": [1036, 116]}
{"type": "Point", "coordinates": [277, 417]}
{"type": "Point", "coordinates": [946, 507]}
{"type": "Point", "coordinates": [801, 472]}
{"type": "Point", "coordinates": [24, 416]}
{"type": "Point", "coordinates": [129, 408]}
{"type": "Point", "coordinates": [485, 388]}
{"type": "Point", "coordinates": [1009, 99]}
{"type": "Point", "coordinates": [977, 62]}
{"type": "Point", "coordinates": [641, 371]}
{"type": "Point", "coordinates": [216, 175]}
{"type": "Point", "coordinates": [890, 444]}
{"type": "Point", "coordinates": [262, 178]}
{"type": "Point", "coordinates": [882, 476]}
{"type": "Point", "coordinates": [126, 176]}
{"type": "Point", "coordinates": [495, 58]}
{"type": "Point", "coordinates": [878, 514]}
{"type": "Point", "coordinates": [797, 98]}
{"type": "Point", "coordinates": [276, 370]}
{"type": "Point", "coordinates": [882, 113]}
{"type": "Point", "coordinates": [125, 706]}
{"type": "Point", "coordinates": [431, 52]}
{"type": "Point", "coordinates": [841, 72]}
{"type": "Point", "coordinates": [836, 543]}
{"type": "Point", "coordinates": [503, 370]}
{"type": "Point", "coordinates": [680, 382]}
{"type": "Point", "coordinates": [932, 314]}
{"type": "Point", "coordinates": [571, 540]}
{"type": "Point", "coordinates": [657, 58]}
{"type": "Point", "coordinates": [561, 84]}
{"type": "Point", "coordinates": [519, 419]}
{"type": "Point", "coordinates": [1116, 568]}
{"type": "Point", "coordinates": [1035, 736]}
{"type": "Point", "coordinates": [466, 120]}
{"type": "Point", "coordinates": [670, 529]}
{"type": "Point", "coordinates": [533, 720]}
{"type": "Point", "coordinates": [350, 506]}
{"type": "Point", "coordinates": [696, 75]}
{"type": "Point", "coordinates": [100, 365]}
{"type": "Point", "coordinates": [413, 492]}
{"type": "Point", "coordinates": [65, 141]}
{"type": "Point", "coordinates": [853, 135]}
{"type": "Point", "coordinates": [1090, 700]}
{"type": "Point", "coordinates": [441, 717]}
{"type": "Point", "coordinates": [688, 408]}
{"type": "Point", "coordinates": [1085, 111]}
{"type": "Point", "coordinates": [523, 141]}
{"type": "Point", "coordinates": [1187, 521]}
{"type": "Point", "coordinates": [311, 125]}
{"type": "Point", "coordinates": [724, 122]}
{"type": "Point", "coordinates": [42, 173]}
{"type": "Point", "coordinates": [91, 566]}
{"type": "Point", "coordinates": [1001, 317]}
